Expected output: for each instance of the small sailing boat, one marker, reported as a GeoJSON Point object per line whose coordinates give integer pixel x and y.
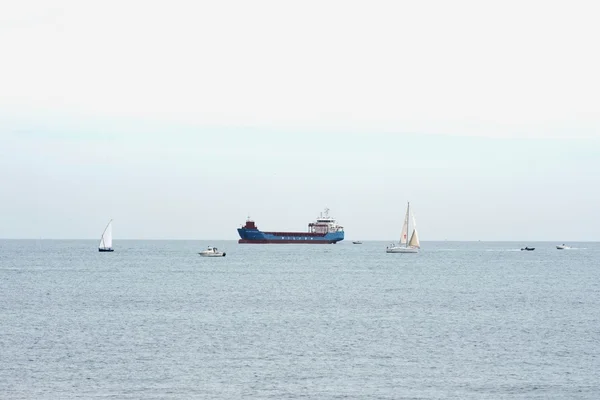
{"type": "Point", "coordinates": [406, 246]}
{"type": "Point", "coordinates": [106, 239]}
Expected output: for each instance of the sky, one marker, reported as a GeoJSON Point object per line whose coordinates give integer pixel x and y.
{"type": "Point", "coordinates": [179, 119]}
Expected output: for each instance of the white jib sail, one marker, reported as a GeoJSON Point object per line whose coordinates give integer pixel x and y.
{"type": "Point", "coordinates": [414, 239]}
{"type": "Point", "coordinates": [106, 239]}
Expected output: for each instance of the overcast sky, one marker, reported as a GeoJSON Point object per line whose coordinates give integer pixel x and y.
{"type": "Point", "coordinates": [178, 119]}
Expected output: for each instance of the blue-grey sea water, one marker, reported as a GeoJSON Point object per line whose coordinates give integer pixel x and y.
{"type": "Point", "coordinates": [154, 320]}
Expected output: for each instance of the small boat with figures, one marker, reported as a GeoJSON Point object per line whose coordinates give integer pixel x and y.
{"type": "Point", "coordinates": [106, 239]}
{"type": "Point", "coordinates": [212, 252]}
{"type": "Point", "coordinates": [528, 249]}
{"type": "Point", "coordinates": [563, 247]}
{"type": "Point", "coordinates": [357, 242]}
{"type": "Point", "coordinates": [406, 246]}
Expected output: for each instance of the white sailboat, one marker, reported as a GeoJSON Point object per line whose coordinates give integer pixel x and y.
{"type": "Point", "coordinates": [106, 238]}
{"type": "Point", "coordinates": [406, 245]}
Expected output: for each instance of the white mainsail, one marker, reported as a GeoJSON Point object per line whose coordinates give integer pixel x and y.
{"type": "Point", "coordinates": [106, 239]}
{"type": "Point", "coordinates": [404, 234]}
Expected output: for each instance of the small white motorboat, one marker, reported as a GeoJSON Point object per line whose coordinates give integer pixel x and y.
{"type": "Point", "coordinates": [357, 242]}
{"type": "Point", "coordinates": [212, 252]}
{"type": "Point", "coordinates": [563, 247]}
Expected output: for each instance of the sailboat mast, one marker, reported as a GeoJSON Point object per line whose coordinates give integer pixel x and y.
{"type": "Point", "coordinates": [407, 222]}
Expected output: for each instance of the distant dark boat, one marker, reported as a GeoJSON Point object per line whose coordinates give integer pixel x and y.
{"type": "Point", "coordinates": [528, 248]}
{"type": "Point", "coordinates": [357, 242]}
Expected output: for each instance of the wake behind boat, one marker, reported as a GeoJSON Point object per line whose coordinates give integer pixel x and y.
{"type": "Point", "coordinates": [406, 246]}
{"type": "Point", "coordinates": [212, 252]}
{"type": "Point", "coordinates": [106, 239]}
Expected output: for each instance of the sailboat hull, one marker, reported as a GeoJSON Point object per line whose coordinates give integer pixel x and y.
{"type": "Point", "coordinates": [401, 250]}
{"type": "Point", "coordinates": [105, 250]}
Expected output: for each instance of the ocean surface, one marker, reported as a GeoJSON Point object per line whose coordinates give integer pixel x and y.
{"type": "Point", "coordinates": [154, 320]}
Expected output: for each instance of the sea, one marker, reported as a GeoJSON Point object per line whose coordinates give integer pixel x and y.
{"type": "Point", "coordinates": [154, 320]}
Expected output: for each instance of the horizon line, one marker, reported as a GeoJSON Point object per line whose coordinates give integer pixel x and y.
{"type": "Point", "coordinates": [345, 240]}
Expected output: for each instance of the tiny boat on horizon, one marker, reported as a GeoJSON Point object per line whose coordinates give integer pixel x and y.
{"type": "Point", "coordinates": [563, 247]}
{"type": "Point", "coordinates": [106, 239]}
{"type": "Point", "coordinates": [528, 248]}
{"type": "Point", "coordinates": [357, 242]}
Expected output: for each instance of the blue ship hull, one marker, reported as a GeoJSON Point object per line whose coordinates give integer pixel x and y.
{"type": "Point", "coordinates": [256, 236]}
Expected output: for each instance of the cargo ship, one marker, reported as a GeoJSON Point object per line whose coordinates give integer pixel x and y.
{"type": "Point", "coordinates": [324, 230]}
